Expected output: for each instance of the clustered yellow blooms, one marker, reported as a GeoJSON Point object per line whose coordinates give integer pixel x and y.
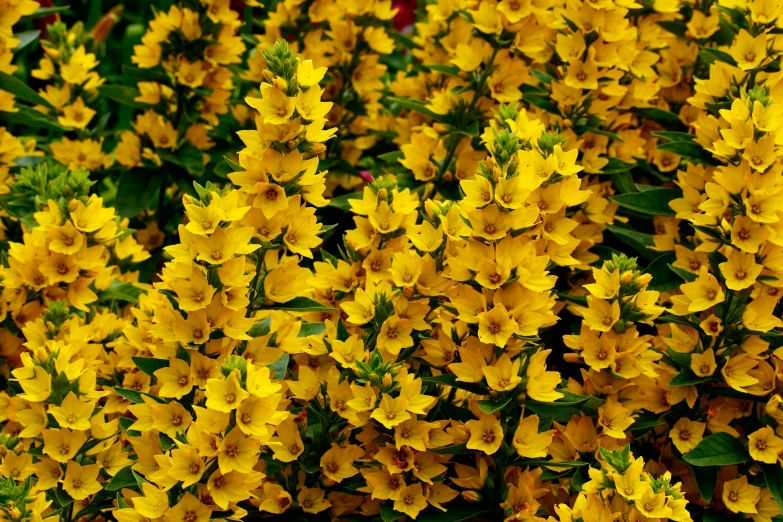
{"type": "Point", "coordinates": [11, 147]}
{"type": "Point", "coordinates": [194, 45]}
{"type": "Point", "coordinates": [350, 38]}
{"type": "Point", "coordinates": [68, 69]}
{"type": "Point", "coordinates": [464, 344]}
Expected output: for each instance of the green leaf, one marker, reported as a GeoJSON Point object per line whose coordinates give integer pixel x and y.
{"type": "Point", "coordinates": [449, 379]}
{"type": "Point", "coordinates": [135, 189]}
{"type": "Point", "coordinates": [616, 165]}
{"type": "Point", "coordinates": [301, 304]}
{"type": "Point", "coordinates": [135, 396]}
{"type": "Point", "coordinates": [450, 70]}
{"type": "Point", "coordinates": [31, 118]}
{"type": "Point", "coordinates": [261, 328]}
{"type": "Point", "coordinates": [63, 498]}
{"type": "Point", "coordinates": [623, 182]}
{"type": "Point", "coordinates": [235, 167]}
{"type": "Point", "coordinates": [121, 292]}
{"type": "Point", "coordinates": [706, 479]}
{"type": "Point", "coordinates": [46, 11]}
{"type": "Point", "coordinates": [150, 365]}
{"type": "Point", "coordinates": [122, 94]}
{"type": "Point", "coordinates": [656, 113]}
{"type": "Point", "coordinates": [654, 202]}
{"type": "Point", "coordinates": [559, 413]}
{"type": "Point", "coordinates": [687, 378]}
{"type": "Point", "coordinates": [677, 27]}
{"type": "Point", "coordinates": [21, 90]}
{"type": "Point", "coordinates": [712, 54]}
{"type": "Point", "coordinates": [606, 133]}
{"type": "Point", "coordinates": [719, 449]}
{"type": "Point", "coordinates": [686, 276]}
{"type": "Point", "coordinates": [688, 149]}
{"type": "Point", "coordinates": [123, 479]}
{"type": "Point", "coordinates": [541, 76]}
{"type": "Point", "coordinates": [390, 157]}
{"type": "Point", "coordinates": [773, 476]}
{"type": "Point", "coordinates": [490, 407]}
{"type": "Point", "coordinates": [280, 367]}
{"type": "Point", "coordinates": [576, 299]}
{"type": "Point", "coordinates": [26, 38]}
{"type": "Point", "coordinates": [638, 240]}
{"type": "Point", "coordinates": [663, 280]}
{"type": "Point", "coordinates": [415, 105]}
{"type": "Point", "coordinates": [308, 329]}
{"type": "Point", "coordinates": [674, 137]}
{"type": "Point", "coordinates": [341, 202]}
{"type": "Point", "coordinates": [543, 462]}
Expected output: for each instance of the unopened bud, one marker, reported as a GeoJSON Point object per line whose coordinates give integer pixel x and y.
{"type": "Point", "coordinates": [317, 148]}
{"type": "Point", "coordinates": [471, 496]}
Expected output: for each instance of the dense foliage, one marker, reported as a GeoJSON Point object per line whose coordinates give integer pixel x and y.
{"type": "Point", "coordinates": [356, 260]}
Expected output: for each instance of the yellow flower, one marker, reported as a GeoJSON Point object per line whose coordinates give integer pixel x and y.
{"type": "Point", "coordinates": [395, 335]}
{"type": "Point", "coordinates": [703, 364]}
{"type": "Point", "coordinates": [736, 371]}
{"type": "Point", "coordinates": [81, 481]}
{"type": "Point", "coordinates": [337, 462]}
{"type": "Point", "coordinates": [306, 75]}
{"type": "Point", "coordinates": [749, 51]}
{"type": "Point", "coordinates": [739, 496]}
{"type": "Point", "coordinates": [62, 444]}
{"type": "Point", "coordinates": [391, 411]}
{"type": "Point", "coordinates": [189, 509]}
{"type": "Point", "coordinates": [225, 395]}
{"type": "Point", "coordinates": [186, 465]}
{"type": "Point", "coordinates": [411, 500]}
{"type": "Point", "coordinates": [275, 107]}
{"type": "Point", "coordinates": [190, 74]}
{"type": "Point", "coordinates": [486, 434]}
{"type": "Point", "coordinates": [541, 384]}
{"type": "Point", "coordinates": [600, 315]}
{"type": "Point", "coordinates": [153, 504]}
{"type": "Point", "coordinates": [237, 452]}
{"type": "Point", "coordinates": [764, 445]}
{"type": "Point", "coordinates": [653, 505]}
{"type": "Point", "coordinates": [288, 443]}
{"type": "Point", "coordinates": [704, 292]}
{"type": "Point", "coordinates": [496, 326]}
{"type": "Point", "coordinates": [73, 413]}
{"type": "Point", "coordinates": [528, 442]}
{"type": "Point", "coordinates": [77, 115]}
{"type": "Point", "coordinates": [312, 500]}
{"type": "Point", "coordinates": [503, 375]}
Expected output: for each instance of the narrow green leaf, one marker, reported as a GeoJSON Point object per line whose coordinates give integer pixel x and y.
{"type": "Point", "coordinates": [21, 90]}
{"type": "Point", "coordinates": [150, 365]}
{"type": "Point", "coordinates": [123, 479]}
{"type": "Point", "coordinates": [490, 407]}
{"type": "Point", "coordinates": [301, 304]}
{"type": "Point", "coordinates": [448, 379]}
{"type": "Point", "coordinates": [654, 201]}
{"type": "Point", "coordinates": [121, 292]}
{"type": "Point", "coordinates": [123, 94]}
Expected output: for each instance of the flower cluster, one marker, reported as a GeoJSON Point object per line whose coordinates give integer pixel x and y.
{"type": "Point", "coordinates": [518, 261]}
